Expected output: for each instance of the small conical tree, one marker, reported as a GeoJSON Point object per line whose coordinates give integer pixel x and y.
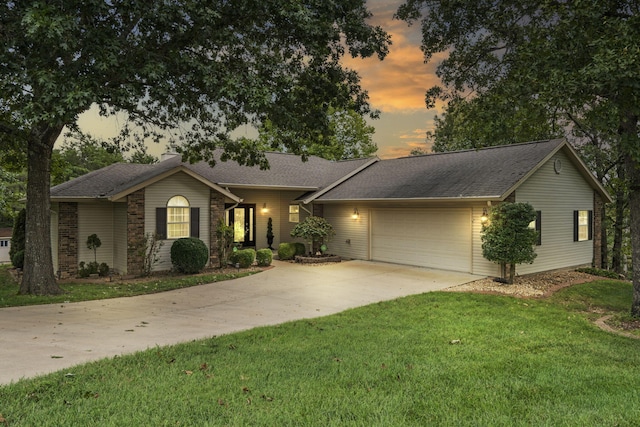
{"type": "Point", "coordinates": [93, 243]}
{"type": "Point", "coordinates": [270, 233]}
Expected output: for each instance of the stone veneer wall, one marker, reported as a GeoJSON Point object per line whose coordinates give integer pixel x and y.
{"type": "Point", "coordinates": [597, 230]}
{"type": "Point", "coordinates": [135, 231]}
{"type": "Point", "coordinates": [216, 212]}
{"type": "Point", "coordinates": [67, 240]}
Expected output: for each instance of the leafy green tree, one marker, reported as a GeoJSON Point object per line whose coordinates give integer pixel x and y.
{"type": "Point", "coordinates": [349, 138]}
{"type": "Point", "coordinates": [313, 229]}
{"type": "Point", "coordinates": [561, 54]}
{"type": "Point", "coordinates": [188, 71]}
{"type": "Point", "coordinates": [508, 239]}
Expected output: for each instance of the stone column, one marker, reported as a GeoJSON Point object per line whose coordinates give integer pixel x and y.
{"type": "Point", "coordinates": [67, 240]}
{"type": "Point", "coordinates": [135, 232]}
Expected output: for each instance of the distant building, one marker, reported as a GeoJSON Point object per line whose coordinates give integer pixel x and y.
{"type": "Point", "coordinates": [5, 244]}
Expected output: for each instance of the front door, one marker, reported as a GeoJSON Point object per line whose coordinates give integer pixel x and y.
{"type": "Point", "coordinates": [243, 220]}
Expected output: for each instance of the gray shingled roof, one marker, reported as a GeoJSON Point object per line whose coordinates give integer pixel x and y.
{"type": "Point", "coordinates": [286, 170]}
{"type": "Point", "coordinates": [486, 173]}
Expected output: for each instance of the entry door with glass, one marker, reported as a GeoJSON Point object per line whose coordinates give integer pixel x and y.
{"type": "Point", "coordinates": [243, 219]}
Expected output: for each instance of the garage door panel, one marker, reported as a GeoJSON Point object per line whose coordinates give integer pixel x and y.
{"type": "Point", "coordinates": [437, 238]}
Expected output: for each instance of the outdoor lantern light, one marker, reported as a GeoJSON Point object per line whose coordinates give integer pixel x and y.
{"type": "Point", "coordinates": [264, 208]}
{"type": "Point", "coordinates": [485, 216]}
{"type": "Point", "coordinates": [355, 214]}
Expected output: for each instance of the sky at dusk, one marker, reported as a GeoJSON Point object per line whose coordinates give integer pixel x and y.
{"type": "Point", "coordinates": [396, 88]}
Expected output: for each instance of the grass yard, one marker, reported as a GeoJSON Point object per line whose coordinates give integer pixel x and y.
{"type": "Point", "coordinates": [100, 289]}
{"type": "Point", "coordinates": [437, 359]}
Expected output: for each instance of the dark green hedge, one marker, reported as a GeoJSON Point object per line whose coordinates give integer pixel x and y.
{"type": "Point", "coordinates": [243, 258]}
{"type": "Point", "coordinates": [189, 255]}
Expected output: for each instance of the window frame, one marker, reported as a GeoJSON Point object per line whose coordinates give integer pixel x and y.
{"type": "Point", "coordinates": [185, 218]}
{"type": "Point", "coordinates": [536, 224]}
{"type": "Point", "coordinates": [582, 225]}
{"type": "Point", "coordinates": [294, 216]}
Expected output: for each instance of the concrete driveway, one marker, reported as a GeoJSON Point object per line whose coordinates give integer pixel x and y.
{"type": "Point", "coordinates": [41, 339]}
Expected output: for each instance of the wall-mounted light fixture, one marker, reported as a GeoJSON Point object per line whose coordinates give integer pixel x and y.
{"type": "Point", "coordinates": [485, 216]}
{"type": "Point", "coordinates": [264, 208]}
{"type": "Point", "coordinates": [355, 213]}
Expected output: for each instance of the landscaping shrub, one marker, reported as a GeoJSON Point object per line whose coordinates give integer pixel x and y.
{"type": "Point", "coordinates": [300, 248]}
{"type": "Point", "coordinates": [286, 251]}
{"type": "Point", "coordinates": [189, 255]}
{"type": "Point", "coordinates": [243, 258]}
{"type": "Point", "coordinates": [264, 257]}
{"type": "Point", "coordinates": [103, 269]}
{"type": "Point", "coordinates": [17, 259]}
{"type": "Point", "coordinates": [86, 270]}
{"type": "Point", "coordinates": [16, 252]}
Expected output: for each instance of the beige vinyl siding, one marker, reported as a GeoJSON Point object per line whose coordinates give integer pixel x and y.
{"type": "Point", "coordinates": [54, 236]}
{"type": "Point", "coordinates": [158, 194]}
{"type": "Point", "coordinates": [352, 235]}
{"type": "Point", "coordinates": [557, 196]}
{"type": "Point", "coordinates": [95, 218]}
{"type": "Point", "coordinates": [480, 265]}
{"type": "Point", "coordinates": [120, 237]}
{"type": "Point", "coordinates": [277, 208]}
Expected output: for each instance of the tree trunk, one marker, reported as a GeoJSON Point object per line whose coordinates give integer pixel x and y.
{"type": "Point", "coordinates": [618, 226]}
{"type": "Point", "coordinates": [512, 273]}
{"type": "Point", "coordinates": [38, 278]}
{"type": "Point", "coordinates": [633, 174]}
{"type": "Point", "coordinates": [629, 132]}
{"type": "Point", "coordinates": [604, 242]}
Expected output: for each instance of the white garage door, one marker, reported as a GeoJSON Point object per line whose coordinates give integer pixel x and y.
{"type": "Point", "coordinates": [436, 238]}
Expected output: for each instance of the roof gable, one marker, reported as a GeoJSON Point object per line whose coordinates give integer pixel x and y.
{"type": "Point", "coordinates": [286, 171]}
{"type": "Point", "coordinates": [489, 174]}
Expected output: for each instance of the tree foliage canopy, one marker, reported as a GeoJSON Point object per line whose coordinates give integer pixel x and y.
{"type": "Point", "coordinates": [579, 58]}
{"type": "Point", "coordinates": [508, 239]}
{"type": "Point", "coordinates": [350, 137]}
{"type": "Point", "coordinates": [192, 71]}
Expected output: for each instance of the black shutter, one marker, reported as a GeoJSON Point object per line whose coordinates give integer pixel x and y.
{"type": "Point", "coordinates": [161, 223]}
{"type": "Point", "coordinates": [590, 225]}
{"type": "Point", "coordinates": [539, 227]}
{"type": "Point", "coordinates": [195, 222]}
{"type": "Point", "coordinates": [575, 226]}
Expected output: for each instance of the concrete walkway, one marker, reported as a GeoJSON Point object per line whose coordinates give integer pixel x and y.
{"type": "Point", "coordinates": [41, 339]}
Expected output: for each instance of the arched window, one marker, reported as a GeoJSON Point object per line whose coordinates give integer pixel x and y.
{"type": "Point", "coordinates": [178, 217]}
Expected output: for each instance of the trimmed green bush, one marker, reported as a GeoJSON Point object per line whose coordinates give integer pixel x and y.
{"type": "Point", "coordinates": [243, 258]}
{"type": "Point", "coordinates": [264, 257]}
{"type": "Point", "coordinates": [16, 252]}
{"type": "Point", "coordinates": [286, 251]}
{"type": "Point", "coordinates": [17, 259]}
{"type": "Point", "coordinates": [189, 255]}
{"type": "Point", "coordinates": [300, 248]}
{"type": "Point", "coordinates": [103, 269]}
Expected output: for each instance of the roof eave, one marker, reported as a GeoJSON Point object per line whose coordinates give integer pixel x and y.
{"type": "Point", "coordinates": [494, 198]}
{"type": "Point", "coordinates": [170, 172]}
{"type": "Point", "coordinates": [334, 184]}
{"type": "Point", "coordinates": [575, 159]}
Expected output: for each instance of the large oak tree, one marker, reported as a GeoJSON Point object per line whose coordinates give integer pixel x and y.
{"type": "Point", "coordinates": [194, 69]}
{"type": "Point", "coordinates": [565, 54]}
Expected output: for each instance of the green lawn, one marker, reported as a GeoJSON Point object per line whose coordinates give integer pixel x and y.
{"type": "Point", "coordinates": [95, 290]}
{"type": "Point", "coordinates": [517, 362]}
